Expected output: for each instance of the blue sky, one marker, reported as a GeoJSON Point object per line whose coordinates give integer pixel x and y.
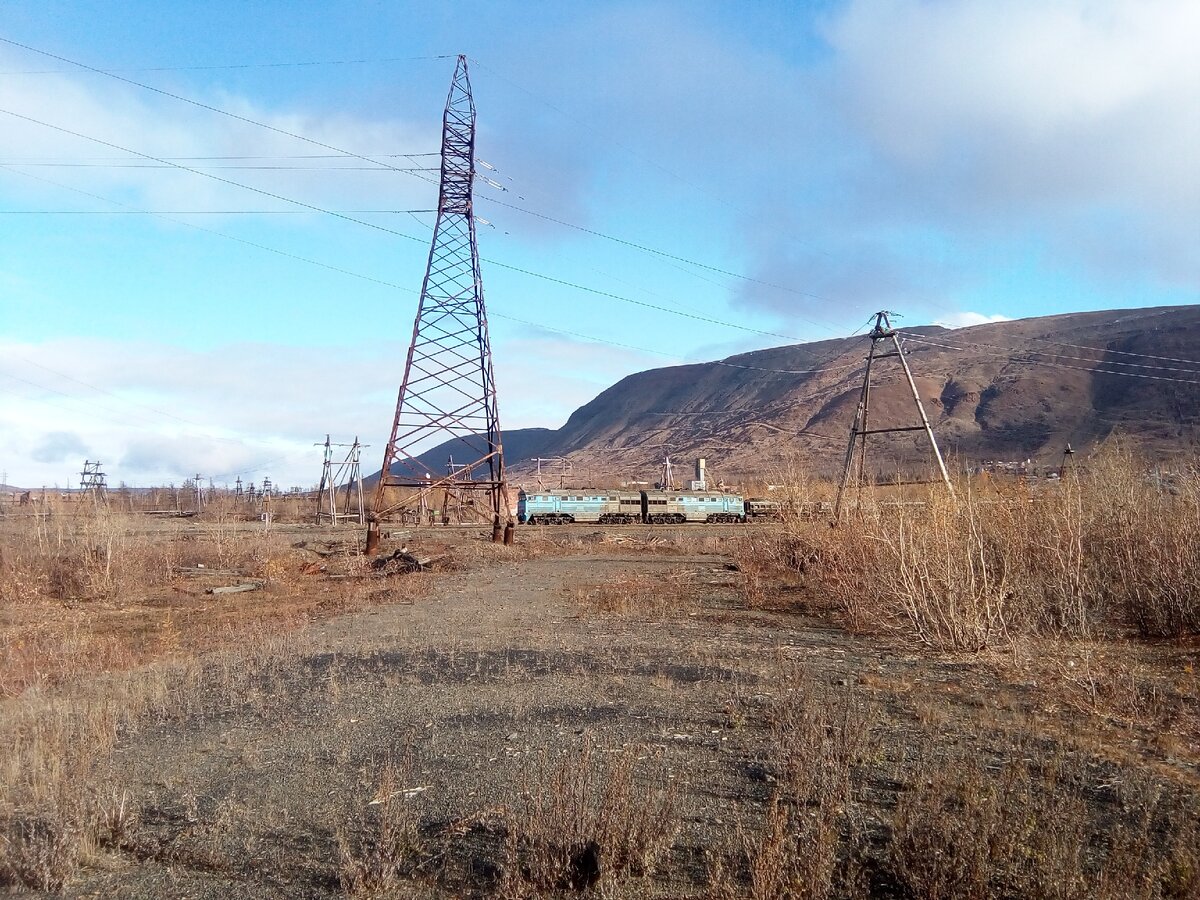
{"type": "Point", "coordinates": [955, 160]}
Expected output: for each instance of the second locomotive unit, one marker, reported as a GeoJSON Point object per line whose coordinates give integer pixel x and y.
{"type": "Point", "coordinates": [564, 507]}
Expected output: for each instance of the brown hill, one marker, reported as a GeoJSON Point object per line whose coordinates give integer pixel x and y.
{"type": "Point", "coordinates": [1009, 390]}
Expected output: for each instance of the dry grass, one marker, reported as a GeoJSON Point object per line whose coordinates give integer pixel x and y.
{"type": "Point", "coordinates": [1101, 553]}
{"type": "Point", "coordinates": [387, 845]}
{"type": "Point", "coordinates": [588, 822]}
{"type": "Point", "coordinates": [1030, 825]}
{"type": "Point", "coordinates": [99, 592]}
{"type": "Point", "coordinates": [641, 595]}
{"type": "Point", "coordinates": [842, 801]}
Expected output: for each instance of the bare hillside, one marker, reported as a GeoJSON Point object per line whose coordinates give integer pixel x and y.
{"type": "Point", "coordinates": [1009, 390]}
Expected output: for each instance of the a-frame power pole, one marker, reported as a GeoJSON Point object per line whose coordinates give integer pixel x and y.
{"type": "Point", "coordinates": [448, 393]}
{"type": "Point", "coordinates": [854, 467]}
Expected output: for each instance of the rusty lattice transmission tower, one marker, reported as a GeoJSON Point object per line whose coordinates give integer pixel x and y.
{"type": "Point", "coordinates": [854, 468]}
{"type": "Point", "coordinates": [449, 390]}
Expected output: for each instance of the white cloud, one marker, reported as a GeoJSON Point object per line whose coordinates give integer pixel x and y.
{"type": "Point", "coordinates": [966, 319]}
{"type": "Point", "coordinates": [1075, 117]}
{"type": "Point", "coordinates": [162, 127]}
{"type": "Point", "coordinates": [156, 413]}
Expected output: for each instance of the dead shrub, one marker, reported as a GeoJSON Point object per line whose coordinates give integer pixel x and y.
{"type": "Point", "coordinates": [806, 844]}
{"type": "Point", "coordinates": [1027, 826]}
{"type": "Point", "coordinates": [772, 561]}
{"type": "Point", "coordinates": [1095, 553]}
{"type": "Point", "coordinates": [640, 595]}
{"type": "Point", "coordinates": [586, 823]}
{"type": "Point", "coordinates": [115, 819]}
{"type": "Point", "coordinates": [387, 843]}
{"type": "Point", "coordinates": [40, 853]}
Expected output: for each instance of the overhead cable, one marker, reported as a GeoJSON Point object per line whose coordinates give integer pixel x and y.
{"type": "Point", "coordinates": [228, 66]}
{"type": "Point", "coordinates": [1039, 362]}
{"type": "Point", "coordinates": [409, 237]}
{"type": "Point", "coordinates": [199, 104]}
{"type": "Point", "coordinates": [348, 153]}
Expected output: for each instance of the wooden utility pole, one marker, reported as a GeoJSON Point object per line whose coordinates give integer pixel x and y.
{"type": "Point", "coordinates": [856, 451]}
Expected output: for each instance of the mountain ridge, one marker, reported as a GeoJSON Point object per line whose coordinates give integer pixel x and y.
{"type": "Point", "coordinates": [1015, 389]}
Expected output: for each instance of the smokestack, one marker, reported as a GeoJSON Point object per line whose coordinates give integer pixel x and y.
{"type": "Point", "coordinates": [700, 473]}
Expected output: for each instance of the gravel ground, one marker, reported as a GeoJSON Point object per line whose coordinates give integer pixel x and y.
{"type": "Point", "coordinates": [472, 696]}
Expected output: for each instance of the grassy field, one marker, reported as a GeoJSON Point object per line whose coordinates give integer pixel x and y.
{"type": "Point", "coordinates": [995, 697]}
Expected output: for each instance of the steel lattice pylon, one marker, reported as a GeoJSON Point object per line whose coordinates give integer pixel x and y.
{"type": "Point", "coordinates": [449, 390]}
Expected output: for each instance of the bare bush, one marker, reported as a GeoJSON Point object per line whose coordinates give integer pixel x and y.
{"type": "Point", "coordinates": [1027, 827]}
{"type": "Point", "coordinates": [805, 844]}
{"type": "Point", "coordinates": [1097, 552]}
{"type": "Point", "coordinates": [388, 841]}
{"type": "Point", "coordinates": [40, 853]}
{"type": "Point", "coordinates": [640, 595]}
{"type": "Point", "coordinates": [586, 823]}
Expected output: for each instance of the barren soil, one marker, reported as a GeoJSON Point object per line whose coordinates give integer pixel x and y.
{"type": "Point", "coordinates": [504, 668]}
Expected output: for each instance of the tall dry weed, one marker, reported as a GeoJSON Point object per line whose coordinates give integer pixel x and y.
{"type": "Point", "coordinates": [1103, 550]}
{"type": "Point", "coordinates": [586, 822]}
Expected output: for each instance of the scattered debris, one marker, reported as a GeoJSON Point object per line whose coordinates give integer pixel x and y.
{"type": "Point", "coordinates": [401, 562]}
{"type": "Point", "coordinates": [194, 571]}
{"type": "Point", "coordinates": [406, 793]}
{"type": "Point", "coordinates": [237, 588]}
{"type": "Point", "coordinates": [346, 547]}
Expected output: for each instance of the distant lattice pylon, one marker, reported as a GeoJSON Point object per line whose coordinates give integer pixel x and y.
{"type": "Point", "coordinates": [92, 482]}
{"type": "Point", "coordinates": [448, 392]}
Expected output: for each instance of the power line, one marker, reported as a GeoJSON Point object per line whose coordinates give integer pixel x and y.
{"type": "Point", "coordinates": [1078, 359]}
{"type": "Point", "coordinates": [977, 344]}
{"type": "Point", "coordinates": [79, 404]}
{"type": "Point", "coordinates": [330, 267]}
{"type": "Point", "coordinates": [674, 312]}
{"type": "Point", "coordinates": [229, 66]}
{"type": "Point", "coordinates": [378, 164]}
{"type": "Point", "coordinates": [209, 175]}
{"type": "Point", "coordinates": [1036, 362]}
{"type": "Point", "coordinates": [377, 227]}
{"type": "Point", "coordinates": [71, 165]}
{"type": "Point", "coordinates": [199, 105]}
{"type": "Point", "coordinates": [1118, 352]}
{"type": "Point", "coordinates": [221, 234]}
{"type": "Point", "coordinates": [654, 251]}
{"type": "Point", "coordinates": [26, 160]}
{"type": "Point", "coordinates": [196, 212]}
{"type": "Point", "coordinates": [384, 283]}
{"type": "Point", "coordinates": [591, 129]}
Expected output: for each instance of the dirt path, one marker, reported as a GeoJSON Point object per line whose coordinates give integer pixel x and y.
{"type": "Point", "coordinates": [473, 695]}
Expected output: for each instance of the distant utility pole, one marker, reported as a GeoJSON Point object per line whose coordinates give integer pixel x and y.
{"type": "Point", "coordinates": [345, 478]}
{"type": "Point", "coordinates": [448, 392]}
{"type": "Point", "coordinates": [198, 489]}
{"type": "Point", "coordinates": [561, 466]}
{"type": "Point", "coordinates": [267, 493]}
{"type": "Point", "coordinates": [856, 452]}
{"type": "Point", "coordinates": [668, 474]}
{"type": "Point", "coordinates": [92, 482]}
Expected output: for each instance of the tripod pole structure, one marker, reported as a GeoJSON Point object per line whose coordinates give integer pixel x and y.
{"type": "Point", "coordinates": [856, 451]}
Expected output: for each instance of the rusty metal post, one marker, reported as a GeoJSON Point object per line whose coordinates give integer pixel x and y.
{"type": "Point", "coordinates": [372, 536]}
